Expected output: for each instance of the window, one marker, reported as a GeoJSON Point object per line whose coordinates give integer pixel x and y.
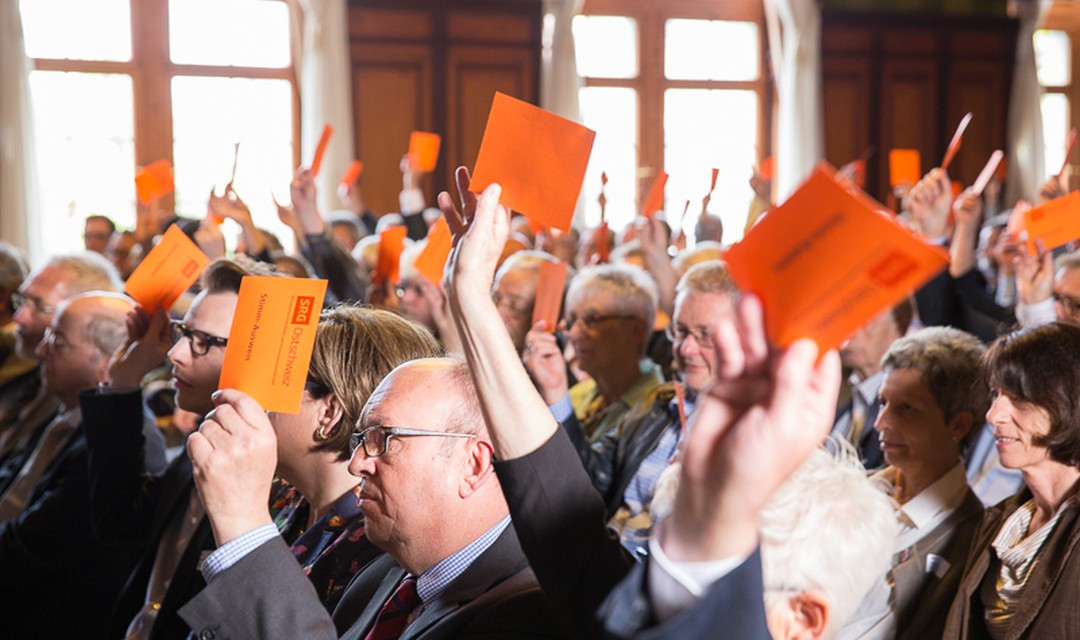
{"type": "Point", "coordinates": [122, 83]}
{"type": "Point", "coordinates": [1053, 59]}
{"type": "Point", "coordinates": [679, 88]}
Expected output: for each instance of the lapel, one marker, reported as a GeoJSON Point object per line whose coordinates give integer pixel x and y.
{"type": "Point", "coordinates": [367, 594]}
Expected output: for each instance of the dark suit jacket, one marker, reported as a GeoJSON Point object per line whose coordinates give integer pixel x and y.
{"type": "Point", "coordinates": [266, 595]}
{"type": "Point", "coordinates": [1048, 604]}
{"type": "Point", "coordinates": [134, 509]}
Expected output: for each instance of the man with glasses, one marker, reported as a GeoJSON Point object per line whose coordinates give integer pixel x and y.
{"type": "Point", "coordinates": [430, 499]}
{"type": "Point", "coordinates": [1048, 289]}
{"type": "Point", "coordinates": [134, 507]}
{"type": "Point", "coordinates": [48, 551]}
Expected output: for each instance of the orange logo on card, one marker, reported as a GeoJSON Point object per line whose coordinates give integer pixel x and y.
{"type": "Point", "coordinates": [303, 310]}
{"type": "Point", "coordinates": [189, 268]}
{"type": "Point", "coordinates": [892, 269]}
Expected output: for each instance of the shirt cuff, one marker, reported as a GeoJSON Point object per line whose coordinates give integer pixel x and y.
{"type": "Point", "coordinates": [562, 410]}
{"type": "Point", "coordinates": [411, 201]}
{"type": "Point", "coordinates": [675, 586]}
{"type": "Point", "coordinates": [235, 550]}
{"type": "Point", "coordinates": [1034, 315]}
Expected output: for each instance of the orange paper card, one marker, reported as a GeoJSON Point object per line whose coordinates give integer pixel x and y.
{"type": "Point", "coordinates": [549, 294]}
{"type": "Point", "coordinates": [537, 157]}
{"type": "Point", "coordinates": [424, 150]}
{"type": "Point", "coordinates": [154, 181]}
{"type": "Point", "coordinates": [391, 244]}
{"type": "Point", "coordinates": [432, 259]}
{"type": "Point", "coordinates": [655, 200]}
{"type": "Point", "coordinates": [905, 166]}
{"type": "Point", "coordinates": [603, 243]}
{"type": "Point", "coordinates": [681, 400]}
{"type": "Point", "coordinates": [270, 342]}
{"type": "Point", "coordinates": [824, 263]}
{"type": "Point", "coordinates": [316, 161]}
{"type": "Point", "coordinates": [167, 271]}
{"type": "Point", "coordinates": [988, 172]}
{"type": "Point", "coordinates": [767, 168]}
{"type": "Point", "coordinates": [1055, 222]}
{"type": "Point", "coordinates": [954, 145]}
{"type": "Point", "coordinates": [352, 173]}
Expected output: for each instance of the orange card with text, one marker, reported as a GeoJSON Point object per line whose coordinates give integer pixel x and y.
{"type": "Point", "coordinates": [324, 140]}
{"type": "Point", "coordinates": [537, 157]}
{"type": "Point", "coordinates": [154, 181]}
{"type": "Point", "coordinates": [905, 166]}
{"type": "Point", "coordinates": [271, 339]}
{"type": "Point", "coordinates": [549, 294]}
{"type": "Point", "coordinates": [391, 244]}
{"type": "Point", "coordinates": [432, 258]}
{"type": "Point", "coordinates": [824, 263]}
{"type": "Point", "coordinates": [424, 150]}
{"type": "Point", "coordinates": [655, 200]}
{"type": "Point", "coordinates": [1054, 223]}
{"type": "Point", "coordinates": [167, 271]}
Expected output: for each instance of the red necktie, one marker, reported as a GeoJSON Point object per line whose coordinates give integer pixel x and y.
{"type": "Point", "coordinates": [394, 616]}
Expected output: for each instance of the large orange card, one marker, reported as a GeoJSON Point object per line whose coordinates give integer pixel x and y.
{"type": "Point", "coordinates": [905, 166]}
{"type": "Point", "coordinates": [391, 244]}
{"type": "Point", "coordinates": [537, 157]}
{"type": "Point", "coordinates": [167, 271]}
{"type": "Point", "coordinates": [324, 140]}
{"type": "Point", "coordinates": [1054, 223]}
{"type": "Point", "coordinates": [549, 294]}
{"type": "Point", "coordinates": [154, 181]}
{"type": "Point", "coordinates": [424, 150]}
{"type": "Point", "coordinates": [271, 339]}
{"type": "Point", "coordinates": [432, 258]}
{"type": "Point", "coordinates": [655, 200]}
{"type": "Point", "coordinates": [824, 263]}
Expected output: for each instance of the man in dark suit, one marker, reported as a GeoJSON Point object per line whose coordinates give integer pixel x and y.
{"type": "Point", "coordinates": [430, 499]}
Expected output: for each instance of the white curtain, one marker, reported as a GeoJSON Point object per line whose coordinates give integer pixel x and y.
{"type": "Point", "coordinates": [799, 142]}
{"type": "Point", "coordinates": [18, 176]}
{"type": "Point", "coordinates": [1027, 170]}
{"type": "Point", "coordinates": [324, 72]}
{"type": "Point", "coordinates": [559, 79]}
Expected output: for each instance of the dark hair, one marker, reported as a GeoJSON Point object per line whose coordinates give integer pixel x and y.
{"type": "Point", "coordinates": [108, 222]}
{"type": "Point", "coordinates": [225, 274]}
{"type": "Point", "coordinates": [1042, 366]}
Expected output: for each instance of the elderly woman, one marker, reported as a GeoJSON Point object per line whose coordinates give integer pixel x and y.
{"type": "Point", "coordinates": [318, 511]}
{"type": "Point", "coordinates": [1022, 579]}
{"type": "Point", "coordinates": [933, 398]}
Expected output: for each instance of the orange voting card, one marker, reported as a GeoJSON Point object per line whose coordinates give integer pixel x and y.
{"type": "Point", "coordinates": [537, 157]}
{"type": "Point", "coordinates": [167, 271]}
{"type": "Point", "coordinates": [424, 150]}
{"type": "Point", "coordinates": [824, 263]}
{"type": "Point", "coordinates": [680, 398]}
{"type": "Point", "coordinates": [391, 244]}
{"type": "Point", "coordinates": [602, 242]}
{"type": "Point", "coordinates": [352, 173]}
{"type": "Point", "coordinates": [549, 294]}
{"type": "Point", "coordinates": [954, 145]}
{"type": "Point", "coordinates": [154, 181]}
{"type": "Point", "coordinates": [988, 172]}
{"type": "Point", "coordinates": [270, 342]}
{"type": "Point", "coordinates": [1054, 223]}
{"type": "Point", "coordinates": [655, 200]}
{"type": "Point", "coordinates": [905, 167]}
{"type": "Point", "coordinates": [715, 175]}
{"type": "Point", "coordinates": [432, 258]}
{"type": "Point", "coordinates": [324, 140]}
{"type": "Point", "coordinates": [767, 168]}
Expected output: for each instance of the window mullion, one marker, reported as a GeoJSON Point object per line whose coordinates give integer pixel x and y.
{"type": "Point", "coordinates": [151, 81]}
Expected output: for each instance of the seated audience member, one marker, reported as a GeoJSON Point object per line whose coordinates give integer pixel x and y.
{"type": "Point", "coordinates": [97, 231]}
{"type": "Point", "coordinates": [124, 252]}
{"type": "Point", "coordinates": [1021, 573]}
{"type": "Point", "coordinates": [430, 499]}
{"type": "Point", "coordinates": [561, 244]}
{"type": "Point", "coordinates": [610, 310]}
{"type": "Point", "coordinates": [421, 300]}
{"type": "Point", "coordinates": [932, 401]}
{"type": "Point", "coordinates": [862, 353]}
{"type": "Point", "coordinates": [625, 464]}
{"type": "Point", "coordinates": [709, 228]}
{"type": "Point", "coordinates": [318, 510]}
{"type": "Point", "coordinates": [132, 506]}
{"type": "Point", "coordinates": [826, 535]}
{"type": "Point", "coordinates": [56, 579]}
{"type": "Point", "coordinates": [346, 228]}
{"type": "Point", "coordinates": [514, 292]}
{"type": "Point", "coordinates": [16, 372]}
{"type": "Point", "coordinates": [1048, 289]}
{"type": "Point", "coordinates": [43, 290]}
{"type": "Point", "coordinates": [701, 252]}
{"type": "Point", "coordinates": [784, 398]}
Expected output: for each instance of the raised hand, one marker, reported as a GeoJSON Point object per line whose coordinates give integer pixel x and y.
{"type": "Point", "coordinates": [544, 361]}
{"type": "Point", "coordinates": [478, 231]}
{"type": "Point", "coordinates": [1034, 275]}
{"type": "Point", "coordinates": [302, 191]}
{"type": "Point", "coordinates": [930, 201]}
{"type": "Point", "coordinates": [149, 340]}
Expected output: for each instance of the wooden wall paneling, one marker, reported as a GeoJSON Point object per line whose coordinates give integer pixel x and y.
{"type": "Point", "coordinates": [909, 104]}
{"type": "Point", "coordinates": [977, 87]}
{"type": "Point", "coordinates": [846, 89]}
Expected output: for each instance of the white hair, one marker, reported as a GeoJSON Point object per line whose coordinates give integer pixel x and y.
{"type": "Point", "coordinates": [633, 288]}
{"type": "Point", "coordinates": [827, 529]}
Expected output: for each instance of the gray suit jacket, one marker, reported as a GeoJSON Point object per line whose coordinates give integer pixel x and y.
{"type": "Point", "coordinates": [266, 595]}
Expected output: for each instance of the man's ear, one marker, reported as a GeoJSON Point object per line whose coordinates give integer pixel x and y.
{"type": "Point", "coordinates": [811, 613]}
{"type": "Point", "coordinates": [960, 425]}
{"type": "Point", "coordinates": [477, 466]}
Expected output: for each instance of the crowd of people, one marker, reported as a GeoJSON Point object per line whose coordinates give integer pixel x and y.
{"type": "Point", "coordinates": [650, 467]}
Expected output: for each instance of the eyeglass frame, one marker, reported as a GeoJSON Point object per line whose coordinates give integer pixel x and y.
{"type": "Point", "coordinates": [33, 306]}
{"type": "Point", "coordinates": [207, 339]}
{"type": "Point", "coordinates": [58, 342]}
{"type": "Point", "coordinates": [357, 439]}
{"type": "Point", "coordinates": [680, 333]}
{"type": "Point", "coordinates": [590, 319]}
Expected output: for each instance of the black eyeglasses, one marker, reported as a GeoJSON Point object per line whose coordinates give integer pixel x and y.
{"type": "Point", "coordinates": [33, 305]}
{"type": "Point", "coordinates": [591, 319]}
{"type": "Point", "coordinates": [376, 439]}
{"type": "Point", "coordinates": [678, 333]}
{"type": "Point", "coordinates": [200, 341]}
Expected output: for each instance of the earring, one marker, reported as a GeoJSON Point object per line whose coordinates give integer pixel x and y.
{"type": "Point", "coordinates": [323, 433]}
